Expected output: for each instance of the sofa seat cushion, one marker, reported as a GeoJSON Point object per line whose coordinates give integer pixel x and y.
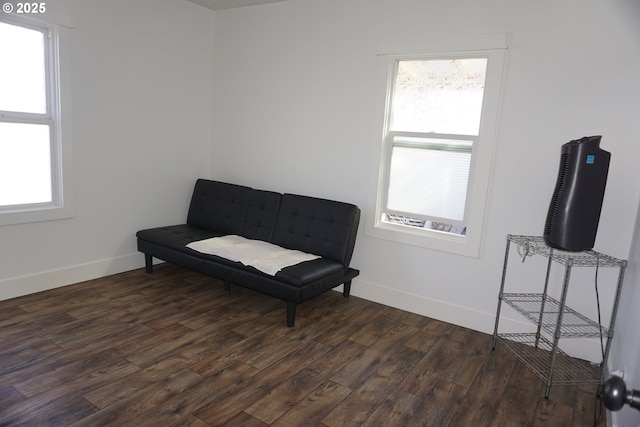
{"type": "Point", "coordinates": [309, 271]}
{"type": "Point", "coordinates": [264, 256]}
{"type": "Point", "coordinates": [176, 236]}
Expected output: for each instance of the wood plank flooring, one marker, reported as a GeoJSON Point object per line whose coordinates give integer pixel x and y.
{"type": "Point", "coordinates": [173, 349]}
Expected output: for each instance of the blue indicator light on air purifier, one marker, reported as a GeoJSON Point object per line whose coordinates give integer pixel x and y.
{"type": "Point", "coordinates": [591, 159]}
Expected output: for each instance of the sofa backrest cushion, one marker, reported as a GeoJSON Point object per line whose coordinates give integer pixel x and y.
{"type": "Point", "coordinates": [261, 215]}
{"type": "Point", "coordinates": [323, 227]}
{"type": "Point", "coordinates": [218, 206]}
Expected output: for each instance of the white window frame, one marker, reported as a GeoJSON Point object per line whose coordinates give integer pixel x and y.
{"type": "Point", "coordinates": [55, 26]}
{"type": "Point", "coordinates": [491, 46]}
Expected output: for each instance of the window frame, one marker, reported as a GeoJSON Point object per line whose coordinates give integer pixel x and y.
{"type": "Point", "coordinates": [493, 47]}
{"type": "Point", "coordinates": [57, 117]}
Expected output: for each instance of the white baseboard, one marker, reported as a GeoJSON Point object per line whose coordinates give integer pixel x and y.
{"type": "Point", "coordinates": [587, 349]}
{"type": "Point", "coordinates": [435, 309]}
{"type": "Point", "coordinates": [23, 285]}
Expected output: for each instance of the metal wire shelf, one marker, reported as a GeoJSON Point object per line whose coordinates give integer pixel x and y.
{"type": "Point", "coordinates": [539, 351]}
{"type": "Point", "coordinates": [567, 370]}
{"type": "Point", "coordinates": [531, 245]}
{"type": "Point", "coordinates": [574, 324]}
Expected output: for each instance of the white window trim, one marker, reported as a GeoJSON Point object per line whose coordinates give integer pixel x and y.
{"type": "Point", "coordinates": [492, 46]}
{"type": "Point", "coordinates": [59, 88]}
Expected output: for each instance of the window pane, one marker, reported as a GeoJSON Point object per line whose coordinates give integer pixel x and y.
{"type": "Point", "coordinates": [25, 164]}
{"type": "Point", "coordinates": [423, 223]}
{"type": "Point", "coordinates": [439, 96]}
{"type": "Point", "coordinates": [22, 73]}
{"type": "Point", "coordinates": [429, 182]}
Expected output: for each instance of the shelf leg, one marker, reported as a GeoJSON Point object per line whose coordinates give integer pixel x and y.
{"type": "Point", "coordinates": [544, 297]}
{"type": "Point", "coordinates": [504, 275]}
{"type": "Point", "coordinates": [558, 331]}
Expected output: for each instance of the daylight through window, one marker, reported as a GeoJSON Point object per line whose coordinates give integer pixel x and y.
{"type": "Point", "coordinates": [440, 117]}
{"type": "Point", "coordinates": [28, 118]}
{"type": "Point", "coordinates": [434, 121]}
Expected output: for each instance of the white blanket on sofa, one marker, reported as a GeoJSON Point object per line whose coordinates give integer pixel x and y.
{"type": "Point", "coordinates": [266, 257]}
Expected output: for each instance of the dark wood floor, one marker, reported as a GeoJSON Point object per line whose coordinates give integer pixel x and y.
{"type": "Point", "coordinates": [172, 348]}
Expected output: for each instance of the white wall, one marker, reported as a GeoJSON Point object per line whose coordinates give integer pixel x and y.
{"type": "Point", "coordinates": [142, 107]}
{"type": "Point", "coordinates": [298, 93]}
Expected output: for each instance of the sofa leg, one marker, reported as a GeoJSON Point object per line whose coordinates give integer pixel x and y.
{"type": "Point", "coordinates": [227, 287]}
{"type": "Point", "coordinates": [291, 313]}
{"type": "Point", "coordinates": [346, 289]}
{"type": "Point", "coordinates": [148, 262]}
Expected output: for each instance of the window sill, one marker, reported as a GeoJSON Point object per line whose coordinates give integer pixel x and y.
{"type": "Point", "coordinates": [39, 214]}
{"type": "Point", "coordinates": [468, 245]}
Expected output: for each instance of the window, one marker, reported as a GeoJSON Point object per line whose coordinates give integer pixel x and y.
{"type": "Point", "coordinates": [33, 148]}
{"type": "Point", "coordinates": [435, 158]}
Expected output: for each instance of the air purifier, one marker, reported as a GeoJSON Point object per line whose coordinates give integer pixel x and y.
{"type": "Point", "coordinates": [574, 211]}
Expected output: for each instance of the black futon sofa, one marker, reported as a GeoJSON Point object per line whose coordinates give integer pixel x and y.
{"type": "Point", "coordinates": [317, 226]}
